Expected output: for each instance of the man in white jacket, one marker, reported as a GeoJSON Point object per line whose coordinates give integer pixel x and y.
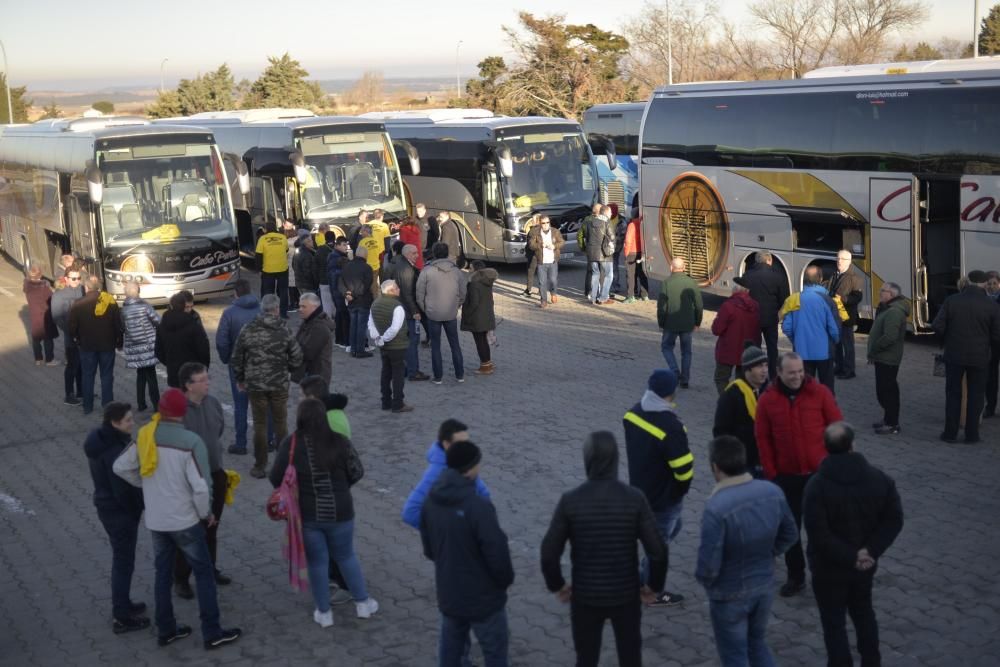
{"type": "Point", "coordinates": [170, 465]}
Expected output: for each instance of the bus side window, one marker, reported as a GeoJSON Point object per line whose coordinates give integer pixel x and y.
{"type": "Point", "coordinates": [493, 203]}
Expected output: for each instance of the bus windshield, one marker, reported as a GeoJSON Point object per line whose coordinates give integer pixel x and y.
{"type": "Point", "coordinates": [347, 172]}
{"type": "Point", "coordinates": [163, 193]}
{"type": "Point", "coordinates": [550, 169]}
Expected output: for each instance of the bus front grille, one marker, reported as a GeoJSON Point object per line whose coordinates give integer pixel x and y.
{"type": "Point", "coordinates": [689, 239]}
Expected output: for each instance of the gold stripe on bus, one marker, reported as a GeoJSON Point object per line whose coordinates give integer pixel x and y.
{"type": "Point", "coordinates": [801, 189]}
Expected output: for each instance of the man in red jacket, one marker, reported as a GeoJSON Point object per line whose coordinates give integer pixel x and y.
{"type": "Point", "coordinates": [738, 321]}
{"type": "Point", "coordinates": [791, 417]}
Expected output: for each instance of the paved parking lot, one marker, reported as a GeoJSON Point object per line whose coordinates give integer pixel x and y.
{"type": "Point", "coordinates": [562, 373]}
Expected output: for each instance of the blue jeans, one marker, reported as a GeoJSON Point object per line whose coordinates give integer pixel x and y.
{"type": "Point", "coordinates": [667, 347]}
{"type": "Point", "coordinates": [600, 276]}
{"type": "Point", "coordinates": [123, 533]}
{"type": "Point", "coordinates": [548, 278]}
{"type": "Point", "coordinates": [359, 329]}
{"type": "Point", "coordinates": [413, 349]}
{"type": "Point", "coordinates": [323, 539]}
{"type": "Point", "coordinates": [492, 633]}
{"type": "Point", "coordinates": [193, 543]}
{"type": "Point", "coordinates": [451, 331]}
{"type": "Point", "coordinates": [740, 630]}
{"type": "Point", "coordinates": [89, 363]}
{"type": "Point", "coordinates": [669, 523]}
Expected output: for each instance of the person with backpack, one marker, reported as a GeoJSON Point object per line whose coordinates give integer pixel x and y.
{"type": "Point", "coordinates": [599, 237]}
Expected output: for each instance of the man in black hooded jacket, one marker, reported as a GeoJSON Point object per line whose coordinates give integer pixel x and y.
{"type": "Point", "coordinates": [852, 514]}
{"type": "Point", "coordinates": [472, 565]}
{"type": "Point", "coordinates": [603, 519]}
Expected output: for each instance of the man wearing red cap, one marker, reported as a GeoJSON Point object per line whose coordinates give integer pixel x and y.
{"type": "Point", "coordinates": [169, 463]}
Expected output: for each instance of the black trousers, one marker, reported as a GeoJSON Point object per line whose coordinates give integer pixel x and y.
{"type": "Point", "coordinates": [586, 280]}
{"type": "Point", "coordinates": [532, 266]}
{"type": "Point", "coordinates": [482, 346]}
{"type": "Point", "coordinates": [975, 380]}
{"type": "Point", "coordinates": [844, 358]}
{"type": "Point", "coordinates": [616, 273]}
{"type": "Point", "coordinates": [182, 570]}
{"type": "Point", "coordinates": [46, 344]}
{"type": "Point", "coordinates": [635, 273]}
{"type": "Point", "coordinates": [393, 377]}
{"type": "Point", "coordinates": [794, 486]}
{"type": "Point", "coordinates": [145, 378]}
{"type": "Point", "coordinates": [588, 626]}
{"type": "Point", "coordinates": [993, 380]}
{"type": "Point", "coordinates": [73, 372]}
{"type": "Point", "coordinates": [887, 392]}
{"type": "Point", "coordinates": [770, 335]}
{"type": "Point", "coordinates": [837, 597]}
{"type": "Point", "coordinates": [822, 371]}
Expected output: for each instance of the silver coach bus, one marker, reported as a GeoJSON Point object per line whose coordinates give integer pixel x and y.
{"type": "Point", "coordinates": [135, 201]}
{"type": "Point", "coordinates": [492, 173]}
{"type": "Point", "coordinates": [308, 169]}
{"type": "Point", "coordinates": [900, 164]}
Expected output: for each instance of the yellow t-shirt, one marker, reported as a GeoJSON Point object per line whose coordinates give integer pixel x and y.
{"type": "Point", "coordinates": [380, 232]}
{"type": "Point", "coordinates": [374, 248]}
{"type": "Point", "coordinates": [274, 249]}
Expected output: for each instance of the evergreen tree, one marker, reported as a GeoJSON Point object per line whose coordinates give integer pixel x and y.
{"type": "Point", "coordinates": [207, 92]}
{"type": "Point", "coordinates": [18, 102]}
{"type": "Point", "coordinates": [103, 106]}
{"type": "Point", "coordinates": [989, 33]}
{"type": "Point", "coordinates": [283, 84]}
{"type": "Point", "coordinates": [51, 111]}
{"type": "Point", "coordinates": [922, 51]}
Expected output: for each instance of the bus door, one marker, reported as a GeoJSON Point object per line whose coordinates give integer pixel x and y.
{"type": "Point", "coordinates": [489, 229]}
{"type": "Point", "coordinates": [936, 244]}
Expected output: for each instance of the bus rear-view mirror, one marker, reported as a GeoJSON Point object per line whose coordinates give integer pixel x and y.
{"type": "Point", "coordinates": [95, 183]}
{"type": "Point", "coordinates": [242, 175]}
{"type": "Point", "coordinates": [609, 152]}
{"type": "Point", "coordinates": [411, 155]}
{"type": "Point", "coordinates": [299, 166]}
{"type": "Point", "coordinates": [506, 162]}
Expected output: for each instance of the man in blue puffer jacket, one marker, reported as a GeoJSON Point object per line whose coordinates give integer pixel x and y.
{"type": "Point", "coordinates": [813, 328]}
{"type": "Point", "coordinates": [246, 307]}
{"type": "Point", "coordinates": [451, 431]}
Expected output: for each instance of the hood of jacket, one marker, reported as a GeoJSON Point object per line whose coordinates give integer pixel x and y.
{"type": "Point", "coordinates": [177, 320]}
{"type": "Point", "coordinates": [247, 301]}
{"type": "Point", "coordinates": [744, 301]}
{"type": "Point", "coordinates": [436, 454]}
{"type": "Point", "coordinates": [108, 437]}
{"type": "Point", "coordinates": [452, 488]}
{"type": "Point", "coordinates": [900, 302]}
{"type": "Point", "coordinates": [846, 469]}
{"type": "Point", "coordinates": [600, 459]}
{"type": "Point", "coordinates": [445, 265]}
{"type": "Point", "coordinates": [484, 276]}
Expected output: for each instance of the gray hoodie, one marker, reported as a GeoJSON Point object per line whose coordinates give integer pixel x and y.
{"type": "Point", "coordinates": [441, 290]}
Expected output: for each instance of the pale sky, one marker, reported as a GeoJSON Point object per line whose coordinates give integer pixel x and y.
{"type": "Point", "coordinates": [73, 45]}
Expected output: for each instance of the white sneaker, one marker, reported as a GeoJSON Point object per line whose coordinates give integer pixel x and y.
{"type": "Point", "coordinates": [324, 620]}
{"type": "Point", "coordinates": [367, 608]}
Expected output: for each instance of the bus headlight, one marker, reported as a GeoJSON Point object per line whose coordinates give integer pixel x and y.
{"type": "Point", "coordinates": [137, 264]}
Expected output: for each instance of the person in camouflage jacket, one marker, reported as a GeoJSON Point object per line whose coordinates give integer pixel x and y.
{"type": "Point", "coordinates": [265, 353]}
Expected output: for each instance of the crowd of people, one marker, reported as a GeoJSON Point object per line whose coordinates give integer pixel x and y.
{"type": "Point", "coordinates": [781, 454]}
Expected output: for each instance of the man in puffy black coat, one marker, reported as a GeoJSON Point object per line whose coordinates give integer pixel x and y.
{"type": "Point", "coordinates": [181, 337]}
{"type": "Point", "coordinates": [769, 288]}
{"type": "Point", "coordinates": [852, 514]}
{"type": "Point", "coordinates": [604, 519]}
{"type": "Point", "coordinates": [472, 565]}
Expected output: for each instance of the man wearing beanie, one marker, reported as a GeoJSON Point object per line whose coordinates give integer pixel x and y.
{"type": "Point", "coordinates": [603, 519]}
{"type": "Point", "coordinates": [168, 463]}
{"type": "Point", "coordinates": [736, 410]}
{"type": "Point", "coordinates": [969, 323]}
{"type": "Point", "coordinates": [472, 565]}
{"type": "Point", "coordinates": [660, 464]}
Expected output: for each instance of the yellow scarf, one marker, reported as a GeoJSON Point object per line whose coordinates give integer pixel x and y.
{"type": "Point", "coordinates": [793, 303]}
{"type": "Point", "coordinates": [104, 300]}
{"type": "Point", "coordinates": [232, 481]}
{"type": "Point", "coordinates": [748, 396]}
{"type": "Point", "coordinates": [146, 446]}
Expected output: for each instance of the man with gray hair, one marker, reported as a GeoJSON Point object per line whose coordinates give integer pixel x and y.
{"type": "Point", "coordinates": [599, 240]}
{"type": "Point", "coordinates": [265, 353]}
{"type": "Point", "coordinates": [404, 270]}
{"type": "Point", "coordinates": [315, 337]}
{"type": "Point", "coordinates": [885, 352]}
{"type": "Point", "coordinates": [387, 327]}
{"type": "Point", "coordinates": [848, 284]}
{"type": "Point", "coordinates": [678, 313]}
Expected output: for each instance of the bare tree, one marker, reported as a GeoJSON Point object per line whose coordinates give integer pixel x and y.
{"type": "Point", "coordinates": [745, 57]}
{"type": "Point", "coordinates": [367, 91]}
{"type": "Point", "coordinates": [867, 25]}
{"type": "Point", "coordinates": [803, 31]}
{"type": "Point", "coordinates": [692, 27]}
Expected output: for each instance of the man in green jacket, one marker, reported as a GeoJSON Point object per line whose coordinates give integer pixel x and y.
{"type": "Point", "coordinates": [678, 313]}
{"type": "Point", "coordinates": [885, 351]}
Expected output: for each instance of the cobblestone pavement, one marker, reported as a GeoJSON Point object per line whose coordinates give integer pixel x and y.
{"type": "Point", "coordinates": [562, 373]}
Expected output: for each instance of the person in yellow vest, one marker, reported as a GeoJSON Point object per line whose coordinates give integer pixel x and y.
{"type": "Point", "coordinates": [272, 258]}
{"type": "Point", "coordinates": [736, 411]}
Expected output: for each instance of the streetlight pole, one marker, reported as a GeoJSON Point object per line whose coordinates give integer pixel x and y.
{"type": "Point", "coordinates": [162, 63]}
{"type": "Point", "coordinates": [458, 76]}
{"type": "Point", "coordinates": [6, 80]}
{"type": "Point", "coordinates": [975, 29]}
{"type": "Point", "coordinates": [670, 46]}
